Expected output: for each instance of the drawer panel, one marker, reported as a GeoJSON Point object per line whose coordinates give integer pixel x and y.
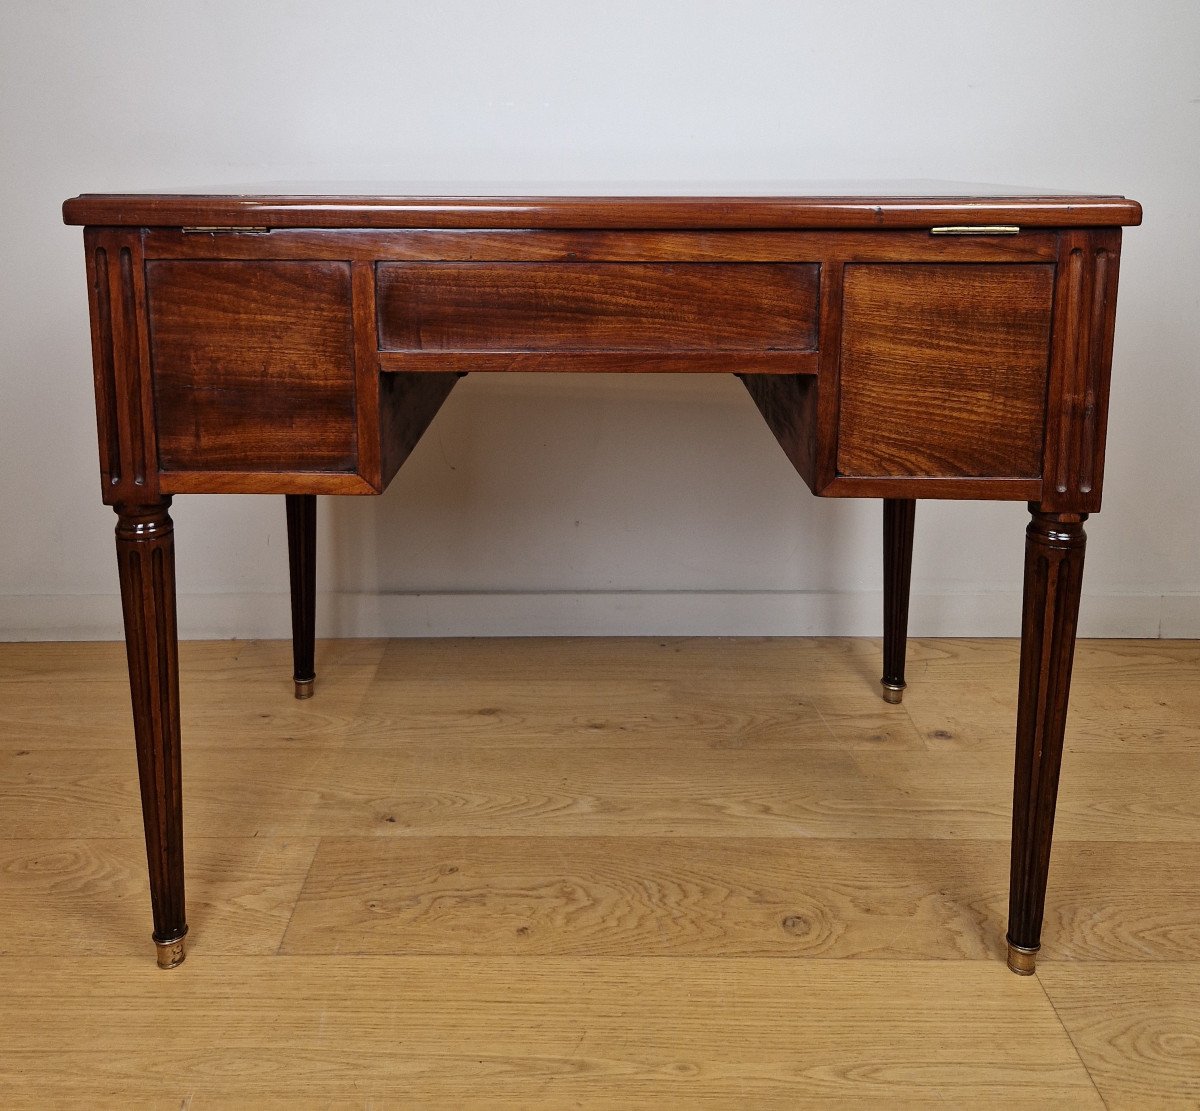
{"type": "Point", "coordinates": [943, 370]}
{"type": "Point", "coordinates": [253, 365]}
{"type": "Point", "coordinates": [564, 307]}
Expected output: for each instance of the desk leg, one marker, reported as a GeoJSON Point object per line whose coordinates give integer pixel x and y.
{"type": "Point", "coordinates": [898, 517]}
{"type": "Point", "coordinates": [146, 561]}
{"type": "Point", "coordinates": [302, 565]}
{"type": "Point", "coordinates": [1054, 548]}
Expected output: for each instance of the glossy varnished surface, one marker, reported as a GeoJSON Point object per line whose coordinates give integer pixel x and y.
{"type": "Point", "coordinates": [253, 365]}
{"type": "Point", "coordinates": [741, 205]}
{"type": "Point", "coordinates": [701, 307]}
{"type": "Point", "coordinates": [301, 511]}
{"type": "Point", "coordinates": [262, 362]}
{"type": "Point", "coordinates": [146, 567]}
{"type": "Point", "coordinates": [899, 519]}
{"type": "Point", "coordinates": [960, 353]}
{"type": "Point", "coordinates": [890, 357]}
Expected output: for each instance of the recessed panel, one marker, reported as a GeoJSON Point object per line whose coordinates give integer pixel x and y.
{"type": "Point", "coordinates": [943, 370]}
{"type": "Point", "coordinates": [253, 365]}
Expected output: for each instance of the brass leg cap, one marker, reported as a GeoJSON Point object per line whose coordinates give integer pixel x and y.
{"type": "Point", "coordinates": [893, 692]}
{"type": "Point", "coordinates": [304, 688]}
{"type": "Point", "coordinates": [171, 953]}
{"type": "Point", "coordinates": [1022, 961]}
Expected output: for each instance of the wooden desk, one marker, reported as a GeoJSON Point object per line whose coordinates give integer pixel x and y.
{"type": "Point", "coordinates": [924, 345]}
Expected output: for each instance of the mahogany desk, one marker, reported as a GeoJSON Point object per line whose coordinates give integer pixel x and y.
{"type": "Point", "coordinates": [898, 347]}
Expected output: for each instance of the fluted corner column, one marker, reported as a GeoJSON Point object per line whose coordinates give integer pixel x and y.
{"type": "Point", "coordinates": [1054, 550]}
{"type": "Point", "coordinates": [146, 561]}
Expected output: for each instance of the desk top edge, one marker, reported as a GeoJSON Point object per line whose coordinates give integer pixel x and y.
{"type": "Point", "coordinates": [646, 212]}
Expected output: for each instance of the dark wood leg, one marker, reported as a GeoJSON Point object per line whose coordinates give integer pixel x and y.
{"type": "Point", "coordinates": [898, 516]}
{"type": "Point", "coordinates": [146, 560]}
{"type": "Point", "coordinates": [302, 564]}
{"type": "Point", "coordinates": [1054, 547]}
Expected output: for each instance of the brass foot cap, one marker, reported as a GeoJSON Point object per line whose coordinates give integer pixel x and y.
{"type": "Point", "coordinates": [304, 688]}
{"type": "Point", "coordinates": [893, 692]}
{"type": "Point", "coordinates": [171, 953]}
{"type": "Point", "coordinates": [1022, 961]}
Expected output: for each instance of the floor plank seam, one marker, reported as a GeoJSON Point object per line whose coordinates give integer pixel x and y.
{"type": "Point", "coordinates": [1070, 1037]}
{"type": "Point", "coordinates": [667, 849]}
{"type": "Point", "coordinates": [299, 895]}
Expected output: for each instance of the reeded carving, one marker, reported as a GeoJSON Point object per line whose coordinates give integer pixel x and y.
{"type": "Point", "coordinates": [128, 455]}
{"type": "Point", "coordinates": [1054, 550]}
{"type": "Point", "coordinates": [131, 368]}
{"type": "Point", "coordinates": [146, 561]}
{"type": "Point", "coordinates": [1086, 300]}
{"type": "Point", "coordinates": [105, 358]}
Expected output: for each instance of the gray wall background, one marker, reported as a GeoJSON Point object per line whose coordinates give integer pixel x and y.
{"type": "Point", "coordinates": [588, 505]}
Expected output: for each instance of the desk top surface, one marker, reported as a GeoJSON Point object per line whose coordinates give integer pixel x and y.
{"type": "Point", "coordinates": [641, 205]}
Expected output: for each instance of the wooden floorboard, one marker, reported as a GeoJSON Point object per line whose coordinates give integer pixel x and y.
{"type": "Point", "coordinates": [540, 1032]}
{"type": "Point", "coordinates": [619, 873]}
{"type": "Point", "coordinates": [1136, 1027]}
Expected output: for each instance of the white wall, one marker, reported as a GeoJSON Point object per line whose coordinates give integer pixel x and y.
{"type": "Point", "coordinates": [571, 504]}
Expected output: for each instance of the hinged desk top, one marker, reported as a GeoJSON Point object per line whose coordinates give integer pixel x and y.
{"type": "Point", "coordinates": [592, 205]}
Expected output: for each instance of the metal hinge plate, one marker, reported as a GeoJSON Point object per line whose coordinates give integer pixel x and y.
{"type": "Point", "coordinates": [976, 229]}
{"type": "Point", "coordinates": [200, 230]}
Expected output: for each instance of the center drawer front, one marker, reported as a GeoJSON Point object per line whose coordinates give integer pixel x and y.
{"type": "Point", "coordinates": [594, 307]}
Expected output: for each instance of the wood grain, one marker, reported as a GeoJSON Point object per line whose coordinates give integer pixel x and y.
{"type": "Point", "coordinates": [537, 1032]}
{"type": "Point", "coordinates": [579, 306]}
{"type": "Point", "coordinates": [1106, 715]}
{"type": "Point", "coordinates": [922, 899]}
{"type": "Point", "coordinates": [447, 788]}
{"type": "Point", "coordinates": [146, 568]}
{"type": "Point", "coordinates": [121, 365]}
{"type": "Point", "coordinates": [881, 205]}
{"type": "Point", "coordinates": [524, 245]}
{"type": "Point", "coordinates": [241, 894]}
{"type": "Point", "coordinates": [1135, 1028]}
{"type": "Point", "coordinates": [932, 382]}
{"type": "Point", "coordinates": [407, 405]}
{"type": "Point", "coordinates": [253, 365]}
{"type": "Point", "coordinates": [788, 403]}
{"type": "Point", "coordinates": [960, 353]}
{"type": "Point", "coordinates": [1085, 314]}
{"type": "Point", "coordinates": [666, 897]}
{"type": "Point", "coordinates": [722, 910]}
{"type": "Point", "coordinates": [1145, 664]}
{"type": "Point", "coordinates": [747, 361]}
{"type": "Point", "coordinates": [1054, 556]}
{"type": "Point", "coordinates": [264, 482]}
{"type": "Point", "coordinates": [219, 661]}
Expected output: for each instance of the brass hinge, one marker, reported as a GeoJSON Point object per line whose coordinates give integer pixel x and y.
{"type": "Point", "coordinates": [976, 229]}
{"type": "Point", "coordinates": [223, 231]}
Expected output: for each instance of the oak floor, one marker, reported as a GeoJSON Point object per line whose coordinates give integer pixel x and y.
{"type": "Point", "coordinates": [700, 873]}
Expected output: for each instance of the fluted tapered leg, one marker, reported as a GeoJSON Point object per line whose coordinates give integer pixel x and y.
{"type": "Point", "coordinates": [302, 565]}
{"type": "Point", "coordinates": [1054, 548]}
{"type": "Point", "coordinates": [898, 517]}
{"type": "Point", "coordinates": [146, 561]}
